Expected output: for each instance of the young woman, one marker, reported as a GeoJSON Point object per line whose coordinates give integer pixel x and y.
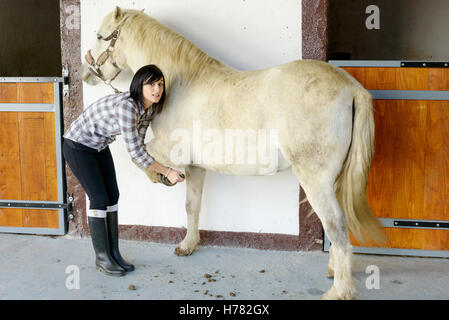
{"type": "Point", "coordinates": [86, 150]}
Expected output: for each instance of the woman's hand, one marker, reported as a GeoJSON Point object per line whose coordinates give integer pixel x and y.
{"type": "Point", "coordinates": [174, 176]}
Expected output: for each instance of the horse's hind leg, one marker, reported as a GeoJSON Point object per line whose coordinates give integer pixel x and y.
{"type": "Point", "coordinates": [321, 196]}
{"type": "Point", "coordinates": [194, 182]}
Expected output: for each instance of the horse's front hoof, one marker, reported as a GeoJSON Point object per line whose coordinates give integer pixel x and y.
{"type": "Point", "coordinates": [183, 252]}
{"type": "Point", "coordinates": [333, 295]}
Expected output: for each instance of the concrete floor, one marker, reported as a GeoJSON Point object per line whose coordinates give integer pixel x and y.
{"type": "Point", "coordinates": [40, 267]}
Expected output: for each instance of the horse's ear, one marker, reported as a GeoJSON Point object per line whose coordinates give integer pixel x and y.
{"type": "Point", "coordinates": [142, 10]}
{"type": "Point", "coordinates": [117, 13]}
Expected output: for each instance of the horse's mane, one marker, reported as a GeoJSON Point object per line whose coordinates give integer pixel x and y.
{"type": "Point", "coordinates": [165, 47]}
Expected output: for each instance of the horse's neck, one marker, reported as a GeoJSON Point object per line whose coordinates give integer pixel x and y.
{"type": "Point", "coordinates": [179, 60]}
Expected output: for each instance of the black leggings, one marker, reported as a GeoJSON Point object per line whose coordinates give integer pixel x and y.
{"type": "Point", "coordinates": [95, 171]}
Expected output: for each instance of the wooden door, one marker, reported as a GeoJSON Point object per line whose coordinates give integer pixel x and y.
{"type": "Point", "coordinates": [31, 173]}
{"type": "Point", "coordinates": [409, 177]}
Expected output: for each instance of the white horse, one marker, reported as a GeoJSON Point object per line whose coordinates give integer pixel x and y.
{"type": "Point", "coordinates": [323, 118]}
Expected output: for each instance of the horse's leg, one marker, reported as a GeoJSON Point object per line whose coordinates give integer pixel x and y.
{"type": "Point", "coordinates": [330, 266]}
{"type": "Point", "coordinates": [194, 182]}
{"type": "Point", "coordinates": [321, 195]}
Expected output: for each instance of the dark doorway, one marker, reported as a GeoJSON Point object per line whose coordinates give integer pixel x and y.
{"type": "Point", "coordinates": [30, 41]}
{"type": "Point", "coordinates": [408, 30]}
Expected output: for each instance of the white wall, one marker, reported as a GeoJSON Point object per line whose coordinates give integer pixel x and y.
{"type": "Point", "coordinates": [245, 34]}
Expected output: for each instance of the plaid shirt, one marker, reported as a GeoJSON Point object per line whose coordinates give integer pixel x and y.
{"type": "Point", "coordinates": [108, 117]}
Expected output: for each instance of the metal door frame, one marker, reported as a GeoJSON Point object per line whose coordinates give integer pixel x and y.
{"type": "Point", "coordinates": [391, 223]}
{"type": "Point", "coordinates": [61, 205]}
{"type": "Point", "coordinates": [431, 95]}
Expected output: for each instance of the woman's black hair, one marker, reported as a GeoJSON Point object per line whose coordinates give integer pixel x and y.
{"type": "Point", "coordinates": [146, 74]}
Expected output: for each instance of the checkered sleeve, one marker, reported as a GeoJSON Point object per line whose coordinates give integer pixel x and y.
{"type": "Point", "coordinates": [143, 127]}
{"type": "Point", "coordinates": [127, 118]}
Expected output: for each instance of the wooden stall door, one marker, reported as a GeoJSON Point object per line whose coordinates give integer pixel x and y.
{"type": "Point", "coordinates": [409, 177]}
{"type": "Point", "coordinates": [28, 170]}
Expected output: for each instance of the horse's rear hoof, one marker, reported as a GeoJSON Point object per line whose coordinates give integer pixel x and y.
{"type": "Point", "coordinates": [182, 253]}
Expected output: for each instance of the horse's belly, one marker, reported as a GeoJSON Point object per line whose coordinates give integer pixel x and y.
{"type": "Point", "coordinates": [262, 166]}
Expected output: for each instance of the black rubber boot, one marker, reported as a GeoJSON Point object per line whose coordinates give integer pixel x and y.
{"type": "Point", "coordinates": [112, 222]}
{"type": "Point", "coordinates": [100, 242]}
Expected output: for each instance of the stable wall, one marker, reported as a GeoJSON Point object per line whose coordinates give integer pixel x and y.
{"type": "Point", "coordinates": [247, 35]}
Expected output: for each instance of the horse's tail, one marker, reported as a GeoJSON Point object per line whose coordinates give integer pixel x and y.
{"type": "Point", "coordinates": [353, 179]}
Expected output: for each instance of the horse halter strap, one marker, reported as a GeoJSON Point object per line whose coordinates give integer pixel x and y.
{"type": "Point", "coordinates": [104, 56]}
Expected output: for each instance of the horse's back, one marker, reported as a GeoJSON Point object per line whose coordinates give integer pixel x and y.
{"type": "Point", "coordinates": [318, 75]}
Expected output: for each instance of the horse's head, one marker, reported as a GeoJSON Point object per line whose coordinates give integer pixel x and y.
{"type": "Point", "coordinates": [106, 59]}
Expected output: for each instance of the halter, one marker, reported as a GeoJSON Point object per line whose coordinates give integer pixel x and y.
{"type": "Point", "coordinates": [104, 56]}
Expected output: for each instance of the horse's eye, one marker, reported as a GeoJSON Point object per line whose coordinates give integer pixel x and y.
{"type": "Point", "coordinates": [99, 37]}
